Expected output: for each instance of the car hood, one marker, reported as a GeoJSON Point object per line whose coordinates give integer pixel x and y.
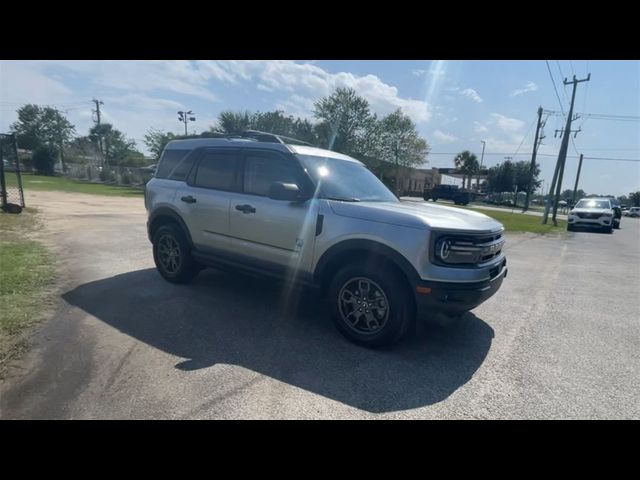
{"type": "Point", "coordinates": [416, 215]}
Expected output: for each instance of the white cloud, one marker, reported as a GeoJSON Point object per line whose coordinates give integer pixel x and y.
{"type": "Point", "coordinates": [312, 82]}
{"type": "Point", "coordinates": [298, 106]}
{"type": "Point", "coordinates": [529, 87]}
{"type": "Point", "coordinates": [443, 137]}
{"type": "Point", "coordinates": [479, 128]}
{"type": "Point", "coordinates": [139, 95]}
{"type": "Point", "coordinates": [20, 84]}
{"type": "Point", "coordinates": [508, 125]}
{"type": "Point", "coordinates": [472, 94]}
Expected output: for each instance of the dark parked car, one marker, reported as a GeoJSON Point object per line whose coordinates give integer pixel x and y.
{"type": "Point", "coordinates": [617, 212]}
{"type": "Point", "coordinates": [449, 192]}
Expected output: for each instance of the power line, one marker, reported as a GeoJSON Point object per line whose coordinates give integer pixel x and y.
{"type": "Point", "coordinates": [571, 65]}
{"type": "Point", "coordinates": [584, 100]}
{"type": "Point", "coordinates": [554, 87]}
{"type": "Point", "coordinates": [600, 116]}
{"type": "Point", "coordinates": [564, 91]}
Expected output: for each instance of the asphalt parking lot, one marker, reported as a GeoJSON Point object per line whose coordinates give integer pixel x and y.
{"type": "Point", "coordinates": [561, 339]}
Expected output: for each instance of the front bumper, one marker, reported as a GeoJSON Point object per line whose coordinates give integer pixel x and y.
{"type": "Point", "coordinates": [602, 222]}
{"type": "Point", "coordinates": [456, 298]}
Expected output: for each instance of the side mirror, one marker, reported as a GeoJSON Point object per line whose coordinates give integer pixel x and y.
{"type": "Point", "coordinates": [285, 191]}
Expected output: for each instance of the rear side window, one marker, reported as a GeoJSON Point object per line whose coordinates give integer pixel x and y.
{"type": "Point", "coordinates": [217, 170]}
{"type": "Point", "coordinates": [174, 165]}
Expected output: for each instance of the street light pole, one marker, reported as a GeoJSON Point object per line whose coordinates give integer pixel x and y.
{"type": "Point", "coordinates": [186, 117]}
{"type": "Point", "coordinates": [480, 170]}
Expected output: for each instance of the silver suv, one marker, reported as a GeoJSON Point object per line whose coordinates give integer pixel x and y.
{"type": "Point", "coordinates": [266, 204]}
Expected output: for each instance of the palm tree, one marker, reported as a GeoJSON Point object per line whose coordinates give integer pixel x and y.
{"type": "Point", "coordinates": [468, 164]}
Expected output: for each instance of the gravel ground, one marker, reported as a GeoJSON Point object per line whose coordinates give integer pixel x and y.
{"type": "Point", "coordinates": [559, 340]}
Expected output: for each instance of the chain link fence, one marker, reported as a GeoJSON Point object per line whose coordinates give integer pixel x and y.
{"type": "Point", "coordinates": [115, 175]}
{"type": "Point", "coordinates": [11, 193]}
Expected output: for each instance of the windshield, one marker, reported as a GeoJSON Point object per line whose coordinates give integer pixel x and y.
{"type": "Point", "coordinates": [593, 204]}
{"type": "Point", "coordinates": [344, 180]}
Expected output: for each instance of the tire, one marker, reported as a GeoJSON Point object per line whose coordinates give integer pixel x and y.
{"type": "Point", "coordinates": [609, 229]}
{"type": "Point", "coordinates": [377, 327]}
{"type": "Point", "coordinates": [435, 199]}
{"type": "Point", "coordinates": [170, 241]}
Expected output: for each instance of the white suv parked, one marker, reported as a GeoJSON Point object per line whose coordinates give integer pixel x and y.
{"type": "Point", "coordinates": [267, 204]}
{"type": "Point", "coordinates": [592, 212]}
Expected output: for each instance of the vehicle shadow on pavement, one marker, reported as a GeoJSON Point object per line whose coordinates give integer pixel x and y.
{"type": "Point", "coordinates": [287, 335]}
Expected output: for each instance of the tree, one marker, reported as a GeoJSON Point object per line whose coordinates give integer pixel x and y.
{"type": "Point", "coordinates": [44, 159]}
{"type": "Point", "coordinates": [346, 123]}
{"type": "Point", "coordinates": [117, 149]}
{"type": "Point", "coordinates": [82, 149]}
{"type": "Point", "coordinates": [399, 143]}
{"type": "Point", "coordinates": [156, 140]}
{"type": "Point", "coordinates": [502, 178]}
{"type": "Point", "coordinates": [523, 173]}
{"type": "Point", "coordinates": [275, 122]}
{"type": "Point", "coordinates": [568, 194]}
{"type": "Point", "coordinates": [234, 122]}
{"type": "Point", "coordinates": [634, 198]}
{"type": "Point", "coordinates": [468, 164]}
{"type": "Point", "coordinates": [37, 126]}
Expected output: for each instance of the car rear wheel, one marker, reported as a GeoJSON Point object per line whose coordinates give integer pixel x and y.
{"type": "Point", "coordinates": [172, 255]}
{"type": "Point", "coordinates": [371, 306]}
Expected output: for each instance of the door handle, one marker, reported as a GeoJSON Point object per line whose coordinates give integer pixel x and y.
{"type": "Point", "coordinates": [246, 208]}
{"type": "Point", "coordinates": [188, 199]}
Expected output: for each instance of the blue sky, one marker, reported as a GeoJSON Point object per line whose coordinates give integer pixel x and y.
{"type": "Point", "coordinates": [455, 104]}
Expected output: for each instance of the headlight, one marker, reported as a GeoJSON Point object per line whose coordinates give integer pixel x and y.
{"type": "Point", "coordinates": [451, 250]}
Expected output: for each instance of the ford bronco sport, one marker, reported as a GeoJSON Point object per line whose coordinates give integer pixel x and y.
{"type": "Point", "coordinates": [266, 204]}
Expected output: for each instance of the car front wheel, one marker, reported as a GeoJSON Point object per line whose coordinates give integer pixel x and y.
{"type": "Point", "coordinates": [371, 307]}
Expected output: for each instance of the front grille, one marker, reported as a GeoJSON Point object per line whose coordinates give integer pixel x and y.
{"type": "Point", "coordinates": [466, 250]}
{"type": "Point", "coordinates": [589, 216]}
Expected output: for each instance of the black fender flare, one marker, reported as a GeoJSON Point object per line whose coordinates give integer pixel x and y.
{"type": "Point", "coordinates": [168, 212]}
{"type": "Point", "coordinates": [375, 248]}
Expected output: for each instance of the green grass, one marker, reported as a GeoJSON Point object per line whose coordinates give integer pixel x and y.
{"type": "Point", "coordinates": [64, 184]}
{"type": "Point", "coordinates": [26, 271]}
{"type": "Point", "coordinates": [519, 222]}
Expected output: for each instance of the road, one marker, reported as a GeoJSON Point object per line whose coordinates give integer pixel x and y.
{"type": "Point", "coordinates": [561, 339]}
{"type": "Point", "coordinates": [482, 206]}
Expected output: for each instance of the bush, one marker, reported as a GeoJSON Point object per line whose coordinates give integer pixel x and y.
{"type": "Point", "coordinates": [107, 175]}
{"type": "Point", "coordinates": [44, 159]}
{"type": "Point", "coordinates": [126, 178]}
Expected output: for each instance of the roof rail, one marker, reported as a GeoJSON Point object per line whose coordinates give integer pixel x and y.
{"type": "Point", "coordinates": [272, 138]}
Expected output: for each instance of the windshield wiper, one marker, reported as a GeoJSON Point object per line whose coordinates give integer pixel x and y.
{"type": "Point", "coordinates": [343, 199]}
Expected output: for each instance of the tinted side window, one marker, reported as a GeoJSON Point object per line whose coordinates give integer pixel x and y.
{"type": "Point", "coordinates": [263, 168]}
{"type": "Point", "coordinates": [173, 164]}
{"type": "Point", "coordinates": [217, 170]}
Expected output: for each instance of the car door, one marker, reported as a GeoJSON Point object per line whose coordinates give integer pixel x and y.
{"type": "Point", "coordinates": [205, 198]}
{"type": "Point", "coordinates": [275, 234]}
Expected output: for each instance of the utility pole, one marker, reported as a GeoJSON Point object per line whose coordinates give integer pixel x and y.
{"type": "Point", "coordinates": [556, 183]}
{"type": "Point", "coordinates": [575, 187]}
{"type": "Point", "coordinates": [60, 141]}
{"type": "Point", "coordinates": [533, 158]}
{"type": "Point", "coordinates": [480, 169]}
{"type": "Point", "coordinates": [97, 112]}
{"type": "Point", "coordinates": [186, 117]}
